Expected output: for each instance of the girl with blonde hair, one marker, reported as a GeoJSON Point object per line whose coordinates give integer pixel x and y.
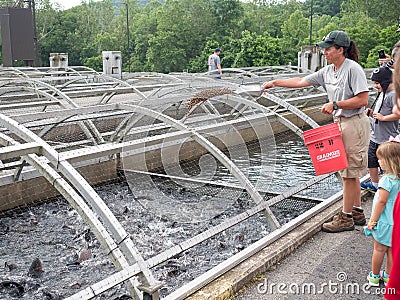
{"type": "Point", "coordinates": [380, 225]}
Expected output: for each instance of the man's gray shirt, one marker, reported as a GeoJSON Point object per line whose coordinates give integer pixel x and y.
{"type": "Point", "coordinates": [213, 62]}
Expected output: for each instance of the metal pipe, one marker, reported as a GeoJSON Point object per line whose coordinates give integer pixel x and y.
{"type": "Point", "coordinates": [128, 36]}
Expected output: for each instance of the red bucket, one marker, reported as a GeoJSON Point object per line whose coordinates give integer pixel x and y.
{"type": "Point", "coordinates": [326, 148]}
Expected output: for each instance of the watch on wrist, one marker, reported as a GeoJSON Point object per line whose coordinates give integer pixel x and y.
{"type": "Point", "coordinates": [335, 106]}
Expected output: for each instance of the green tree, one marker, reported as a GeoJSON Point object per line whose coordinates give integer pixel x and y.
{"type": "Point", "coordinates": [269, 16]}
{"type": "Point", "coordinates": [257, 50]}
{"type": "Point", "coordinates": [384, 12]}
{"type": "Point", "coordinates": [319, 23]}
{"type": "Point", "coordinates": [295, 30]}
{"type": "Point", "coordinates": [95, 62]}
{"type": "Point", "coordinates": [144, 26]}
{"type": "Point", "coordinates": [386, 39]}
{"type": "Point", "coordinates": [166, 53]}
{"type": "Point", "coordinates": [323, 7]}
{"type": "Point", "coordinates": [180, 34]}
{"type": "Point", "coordinates": [226, 14]}
{"type": "Point", "coordinates": [366, 38]}
{"type": "Point", "coordinates": [389, 36]}
{"type": "Point", "coordinates": [73, 31]}
{"type": "Point", "coordinates": [181, 27]}
{"type": "Point", "coordinates": [199, 63]}
{"type": "Point", "coordinates": [167, 46]}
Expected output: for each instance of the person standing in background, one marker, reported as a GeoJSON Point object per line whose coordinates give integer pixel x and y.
{"type": "Point", "coordinates": [214, 62]}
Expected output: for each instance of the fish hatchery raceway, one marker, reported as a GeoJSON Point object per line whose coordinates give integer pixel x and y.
{"type": "Point", "coordinates": [48, 251]}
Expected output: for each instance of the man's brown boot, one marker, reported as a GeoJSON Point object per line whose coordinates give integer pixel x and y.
{"type": "Point", "coordinates": [342, 222]}
{"type": "Point", "coordinates": [358, 216]}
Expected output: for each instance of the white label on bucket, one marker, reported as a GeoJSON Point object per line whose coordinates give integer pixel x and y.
{"type": "Point", "coordinates": [328, 156]}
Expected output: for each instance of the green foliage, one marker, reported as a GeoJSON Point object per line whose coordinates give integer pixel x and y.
{"type": "Point", "coordinates": [143, 28]}
{"type": "Point", "coordinates": [384, 12]}
{"type": "Point", "coordinates": [388, 37]}
{"type": "Point", "coordinates": [365, 37]}
{"type": "Point", "coordinates": [166, 53]}
{"type": "Point", "coordinates": [200, 62]}
{"type": "Point", "coordinates": [275, 13]}
{"type": "Point", "coordinates": [256, 50]}
{"type": "Point", "coordinates": [176, 35]}
{"type": "Point", "coordinates": [326, 7]}
{"type": "Point", "coordinates": [328, 27]}
{"type": "Point", "coordinates": [95, 62]}
{"type": "Point", "coordinates": [294, 30]}
{"type": "Point", "coordinates": [372, 59]}
{"type": "Point", "coordinates": [226, 14]}
{"type": "Point", "coordinates": [385, 41]}
{"type": "Point", "coordinates": [73, 31]}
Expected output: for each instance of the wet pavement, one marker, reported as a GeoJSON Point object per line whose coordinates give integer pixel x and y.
{"type": "Point", "coordinates": [327, 266]}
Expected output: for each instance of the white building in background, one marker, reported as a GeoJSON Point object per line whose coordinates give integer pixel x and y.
{"type": "Point", "coordinates": [112, 63]}
{"type": "Point", "coordinates": [310, 59]}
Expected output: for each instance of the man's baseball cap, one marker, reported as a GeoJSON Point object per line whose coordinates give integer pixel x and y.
{"type": "Point", "coordinates": [336, 37]}
{"type": "Point", "coordinates": [217, 50]}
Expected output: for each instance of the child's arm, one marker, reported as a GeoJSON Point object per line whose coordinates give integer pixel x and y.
{"type": "Point", "coordinates": [379, 207]}
{"type": "Point", "coordinates": [387, 118]}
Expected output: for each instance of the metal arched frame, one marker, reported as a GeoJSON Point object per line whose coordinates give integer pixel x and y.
{"type": "Point", "coordinates": [281, 119]}
{"type": "Point", "coordinates": [107, 96]}
{"type": "Point", "coordinates": [87, 69]}
{"type": "Point", "coordinates": [37, 91]}
{"type": "Point", "coordinates": [180, 86]}
{"type": "Point", "coordinates": [173, 77]}
{"type": "Point", "coordinates": [118, 135]}
{"type": "Point", "coordinates": [124, 83]}
{"type": "Point", "coordinates": [218, 154]}
{"type": "Point", "coordinates": [238, 71]}
{"type": "Point", "coordinates": [70, 195]}
{"type": "Point", "coordinates": [291, 108]}
{"type": "Point", "coordinates": [290, 68]}
{"type": "Point", "coordinates": [274, 99]}
{"type": "Point", "coordinates": [116, 241]}
{"type": "Point", "coordinates": [88, 127]}
{"type": "Point", "coordinates": [158, 87]}
{"type": "Point", "coordinates": [131, 271]}
{"type": "Point", "coordinates": [14, 71]}
{"type": "Point", "coordinates": [36, 82]}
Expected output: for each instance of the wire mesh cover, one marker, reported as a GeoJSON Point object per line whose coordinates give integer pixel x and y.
{"type": "Point", "coordinates": [161, 206]}
{"type": "Point", "coordinates": [54, 233]}
{"type": "Point", "coordinates": [194, 159]}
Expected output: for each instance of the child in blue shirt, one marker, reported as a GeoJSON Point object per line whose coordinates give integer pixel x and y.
{"type": "Point", "coordinates": [381, 221]}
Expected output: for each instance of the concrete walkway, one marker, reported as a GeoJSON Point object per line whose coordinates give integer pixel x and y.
{"type": "Point", "coordinates": [334, 266]}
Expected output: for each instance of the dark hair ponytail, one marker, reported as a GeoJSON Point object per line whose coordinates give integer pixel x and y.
{"type": "Point", "coordinates": [352, 52]}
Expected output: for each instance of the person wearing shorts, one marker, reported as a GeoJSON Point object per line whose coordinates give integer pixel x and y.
{"type": "Point", "coordinates": [384, 123]}
{"type": "Point", "coordinates": [346, 85]}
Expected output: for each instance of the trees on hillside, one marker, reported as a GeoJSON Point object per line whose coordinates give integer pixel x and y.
{"type": "Point", "coordinates": [176, 35]}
